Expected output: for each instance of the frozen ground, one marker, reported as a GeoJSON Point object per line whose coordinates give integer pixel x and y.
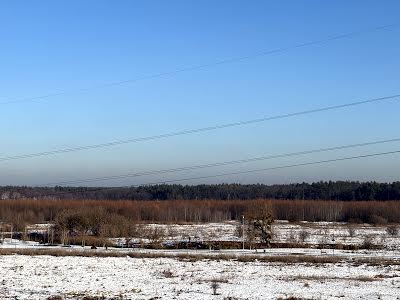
{"type": "Point", "coordinates": [38, 277]}
{"type": "Point", "coordinates": [311, 233]}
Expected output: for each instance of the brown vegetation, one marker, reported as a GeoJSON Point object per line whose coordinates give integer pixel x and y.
{"type": "Point", "coordinates": [22, 212]}
{"type": "Point", "coordinates": [286, 259]}
{"type": "Point", "coordinates": [259, 222]}
{"type": "Point", "coordinates": [91, 222]}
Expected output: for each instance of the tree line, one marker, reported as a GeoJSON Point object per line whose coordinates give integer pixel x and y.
{"type": "Point", "coordinates": [120, 215]}
{"type": "Point", "coordinates": [323, 190]}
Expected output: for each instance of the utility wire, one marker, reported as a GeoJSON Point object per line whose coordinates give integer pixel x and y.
{"type": "Point", "coordinates": [273, 168]}
{"type": "Point", "coordinates": [198, 130]}
{"type": "Point", "coordinates": [218, 164]}
{"type": "Point", "coordinates": [203, 66]}
{"type": "Point", "coordinates": [85, 190]}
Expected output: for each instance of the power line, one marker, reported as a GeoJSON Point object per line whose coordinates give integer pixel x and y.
{"type": "Point", "coordinates": [228, 174]}
{"type": "Point", "coordinates": [197, 130]}
{"type": "Point", "coordinates": [219, 164]}
{"type": "Point", "coordinates": [203, 66]}
{"type": "Point", "coordinates": [274, 168]}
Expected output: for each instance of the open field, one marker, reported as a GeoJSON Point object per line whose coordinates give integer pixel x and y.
{"type": "Point", "coordinates": [29, 270]}
{"type": "Point", "coordinates": [284, 234]}
{"type": "Point", "coordinates": [73, 277]}
{"type": "Point", "coordinates": [199, 150]}
{"type": "Point", "coordinates": [307, 234]}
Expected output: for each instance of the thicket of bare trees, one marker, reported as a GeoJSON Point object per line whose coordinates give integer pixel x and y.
{"type": "Point", "coordinates": [98, 222]}
{"type": "Point", "coordinates": [102, 217]}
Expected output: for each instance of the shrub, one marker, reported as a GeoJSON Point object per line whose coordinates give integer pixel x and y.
{"type": "Point", "coordinates": [351, 230]}
{"type": "Point", "coordinates": [355, 221]}
{"type": "Point", "coordinates": [392, 230]}
{"type": "Point", "coordinates": [239, 230]}
{"type": "Point", "coordinates": [93, 298]}
{"type": "Point", "coordinates": [55, 297]}
{"type": "Point", "coordinates": [214, 287]}
{"type": "Point", "coordinates": [292, 237]}
{"type": "Point", "coordinates": [167, 273]}
{"type": "Point", "coordinates": [377, 220]}
{"type": "Point", "coordinates": [367, 243]}
{"type": "Point", "coordinates": [303, 235]}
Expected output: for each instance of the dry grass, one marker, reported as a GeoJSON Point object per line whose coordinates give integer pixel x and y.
{"type": "Point", "coordinates": [217, 280]}
{"type": "Point", "coordinates": [292, 298]}
{"type": "Point", "coordinates": [168, 274]}
{"type": "Point", "coordinates": [286, 259]}
{"type": "Point", "coordinates": [327, 278]}
{"type": "Point", "coordinates": [55, 297]}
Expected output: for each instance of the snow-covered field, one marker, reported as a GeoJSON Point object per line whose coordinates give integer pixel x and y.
{"type": "Point", "coordinates": [310, 233]}
{"type": "Point", "coordinates": [38, 277]}
{"type": "Point", "coordinates": [189, 274]}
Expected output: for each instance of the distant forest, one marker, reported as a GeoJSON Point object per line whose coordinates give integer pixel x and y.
{"type": "Point", "coordinates": [330, 190]}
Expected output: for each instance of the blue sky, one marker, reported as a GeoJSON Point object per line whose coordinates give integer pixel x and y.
{"type": "Point", "coordinates": [47, 47]}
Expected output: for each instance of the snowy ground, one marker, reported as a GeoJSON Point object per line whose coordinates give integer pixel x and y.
{"type": "Point", "coordinates": [38, 277]}
{"type": "Point", "coordinates": [74, 277]}
{"type": "Point", "coordinates": [311, 233]}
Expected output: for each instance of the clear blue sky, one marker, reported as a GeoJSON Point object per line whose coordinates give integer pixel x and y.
{"type": "Point", "coordinates": [49, 46]}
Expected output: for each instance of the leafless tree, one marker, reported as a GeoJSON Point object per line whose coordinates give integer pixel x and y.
{"type": "Point", "coordinates": [260, 221]}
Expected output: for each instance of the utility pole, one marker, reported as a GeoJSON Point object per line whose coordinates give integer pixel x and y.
{"type": "Point", "coordinates": [243, 230]}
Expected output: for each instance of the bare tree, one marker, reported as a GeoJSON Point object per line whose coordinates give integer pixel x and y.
{"type": "Point", "coordinates": [303, 235]}
{"type": "Point", "coordinates": [351, 230]}
{"type": "Point", "coordinates": [260, 221]}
